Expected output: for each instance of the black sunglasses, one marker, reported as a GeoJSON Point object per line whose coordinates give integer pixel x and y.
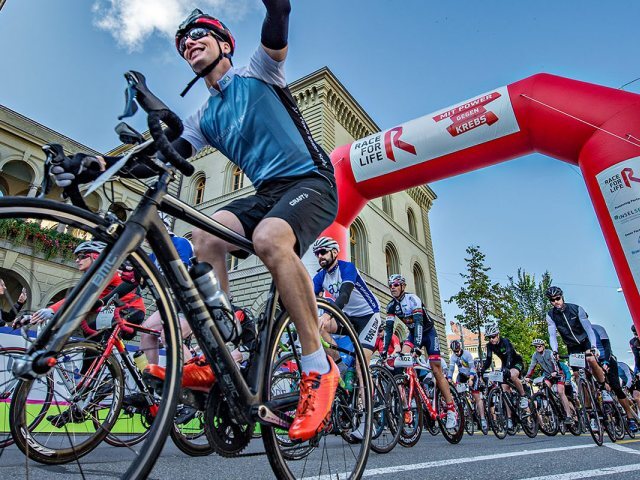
{"type": "Point", "coordinates": [554, 299]}
{"type": "Point", "coordinates": [194, 34]}
{"type": "Point", "coordinates": [322, 251]}
{"type": "Point", "coordinates": [490, 337]}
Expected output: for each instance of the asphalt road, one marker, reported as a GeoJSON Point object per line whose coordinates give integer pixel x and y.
{"type": "Point", "coordinates": [514, 458]}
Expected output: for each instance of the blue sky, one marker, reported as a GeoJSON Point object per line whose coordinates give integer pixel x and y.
{"type": "Point", "coordinates": [63, 63]}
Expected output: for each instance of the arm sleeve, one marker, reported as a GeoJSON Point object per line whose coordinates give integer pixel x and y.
{"type": "Point", "coordinates": [472, 364]}
{"type": "Point", "coordinates": [452, 366]}
{"type": "Point", "coordinates": [343, 295]}
{"type": "Point", "coordinates": [487, 361]}
{"type": "Point", "coordinates": [586, 324]}
{"type": "Point", "coordinates": [317, 283]}
{"type": "Point", "coordinates": [532, 366]}
{"type": "Point", "coordinates": [275, 28]}
{"type": "Point", "coordinates": [607, 349]}
{"type": "Point", "coordinates": [510, 352]}
{"type": "Point", "coordinates": [553, 334]}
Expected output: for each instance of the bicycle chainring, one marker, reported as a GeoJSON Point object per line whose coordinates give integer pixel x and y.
{"type": "Point", "coordinates": [227, 437]}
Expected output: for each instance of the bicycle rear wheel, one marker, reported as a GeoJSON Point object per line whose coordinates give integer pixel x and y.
{"type": "Point", "coordinates": [592, 417]}
{"type": "Point", "coordinates": [452, 435]}
{"type": "Point", "coordinates": [328, 453]}
{"type": "Point", "coordinates": [42, 235]}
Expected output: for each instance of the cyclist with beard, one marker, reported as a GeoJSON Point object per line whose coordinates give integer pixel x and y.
{"type": "Point", "coordinates": [344, 285]}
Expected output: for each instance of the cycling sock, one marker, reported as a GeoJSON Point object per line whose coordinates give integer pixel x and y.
{"type": "Point", "coordinates": [315, 362]}
{"type": "Point", "coordinates": [451, 406]}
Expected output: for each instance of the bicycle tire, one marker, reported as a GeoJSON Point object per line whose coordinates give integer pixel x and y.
{"type": "Point", "coordinates": [387, 414]}
{"type": "Point", "coordinates": [620, 420]}
{"type": "Point", "coordinates": [413, 415]}
{"type": "Point", "coordinates": [8, 384]}
{"type": "Point", "coordinates": [452, 436]}
{"type": "Point", "coordinates": [496, 413]}
{"type": "Point", "coordinates": [191, 438]}
{"type": "Point", "coordinates": [608, 421]}
{"type": "Point", "coordinates": [548, 420]}
{"type": "Point", "coordinates": [469, 416]}
{"type": "Point", "coordinates": [587, 397]}
{"type": "Point", "coordinates": [529, 421]}
{"type": "Point", "coordinates": [93, 429]}
{"type": "Point", "coordinates": [35, 211]}
{"type": "Point", "coordinates": [351, 464]}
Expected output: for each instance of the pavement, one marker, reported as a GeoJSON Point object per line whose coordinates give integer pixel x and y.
{"type": "Point", "coordinates": [514, 458]}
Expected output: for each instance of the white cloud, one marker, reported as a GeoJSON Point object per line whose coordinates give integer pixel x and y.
{"type": "Point", "coordinates": [131, 22]}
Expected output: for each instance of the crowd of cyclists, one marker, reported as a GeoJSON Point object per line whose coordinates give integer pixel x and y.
{"type": "Point", "coordinates": [295, 201]}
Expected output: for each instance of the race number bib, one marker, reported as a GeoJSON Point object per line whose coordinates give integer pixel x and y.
{"type": "Point", "coordinates": [577, 360]}
{"type": "Point", "coordinates": [496, 376]}
{"type": "Point", "coordinates": [105, 317]}
{"type": "Point", "coordinates": [462, 387]}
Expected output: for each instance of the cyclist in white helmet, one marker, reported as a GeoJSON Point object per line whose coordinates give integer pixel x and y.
{"type": "Point", "coordinates": [342, 283]}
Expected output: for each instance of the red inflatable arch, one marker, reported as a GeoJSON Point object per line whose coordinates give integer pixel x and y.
{"type": "Point", "coordinates": [594, 127]}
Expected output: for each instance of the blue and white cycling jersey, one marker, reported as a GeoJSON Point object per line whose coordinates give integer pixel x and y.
{"type": "Point", "coordinates": [255, 122]}
{"type": "Point", "coordinates": [361, 303]}
{"type": "Point", "coordinates": [465, 363]}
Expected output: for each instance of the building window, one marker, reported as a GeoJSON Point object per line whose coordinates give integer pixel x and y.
{"type": "Point", "coordinates": [411, 219]}
{"type": "Point", "coordinates": [200, 184]}
{"type": "Point", "coordinates": [232, 262]}
{"type": "Point", "coordinates": [358, 245]}
{"type": "Point", "coordinates": [418, 281]}
{"type": "Point", "coordinates": [237, 179]}
{"type": "Point", "coordinates": [391, 257]}
{"type": "Point", "coordinates": [386, 205]}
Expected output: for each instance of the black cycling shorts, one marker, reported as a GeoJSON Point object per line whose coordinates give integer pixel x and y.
{"type": "Point", "coordinates": [582, 347]}
{"type": "Point", "coordinates": [308, 204]}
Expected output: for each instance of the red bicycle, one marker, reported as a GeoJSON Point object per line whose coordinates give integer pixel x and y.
{"type": "Point", "coordinates": [420, 396]}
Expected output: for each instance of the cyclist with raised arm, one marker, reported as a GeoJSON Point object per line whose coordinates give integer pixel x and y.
{"type": "Point", "coordinates": [408, 308]}
{"type": "Point", "coordinates": [512, 363]}
{"type": "Point", "coordinates": [251, 117]}
{"type": "Point", "coordinates": [553, 374]}
{"type": "Point", "coordinates": [634, 344]}
{"type": "Point", "coordinates": [468, 374]}
{"type": "Point", "coordinates": [572, 322]}
{"type": "Point", "coordinates": [610, 366]}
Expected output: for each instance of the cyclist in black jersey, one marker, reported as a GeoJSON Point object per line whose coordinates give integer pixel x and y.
{"type": "Point", "coordinates": [572, 322]}
{"type": "Point", "coordinates": [512, 362]}
{"type": "Point", "coordinates": [634, 344]}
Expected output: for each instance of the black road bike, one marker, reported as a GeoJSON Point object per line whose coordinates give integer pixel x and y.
{"type": "Point", "coordinates": [242, 398]}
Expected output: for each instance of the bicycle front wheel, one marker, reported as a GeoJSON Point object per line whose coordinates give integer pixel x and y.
{"type": "Point", "coordinates": [41, 236]}
{"type": "Point", "coordinates": [387, 410]}
{"type": "Point", "coordinates": [329, 453]}
{"type": "Point", "coordinates": [496, 412]}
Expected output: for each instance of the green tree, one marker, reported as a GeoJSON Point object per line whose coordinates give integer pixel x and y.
{"type": "Point", "coordinates": [479, 299]}
{"type": "Point", "coordinates": [524, 308]}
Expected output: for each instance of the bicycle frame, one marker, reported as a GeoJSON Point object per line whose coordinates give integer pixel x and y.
{"type": "Point", "coordinates": [415, 385]}
{"type": "Point", "coordinates": [243, 396]}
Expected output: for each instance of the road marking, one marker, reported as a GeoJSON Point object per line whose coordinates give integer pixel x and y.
{"type": "Point", "coordinates": [599, 472]}
{"type": "Point", "coordinates": [456, 461]}
{"type": "Point", "coordinates": [633, 440]}
{"type": "Point", "coordinates": [620, 448]}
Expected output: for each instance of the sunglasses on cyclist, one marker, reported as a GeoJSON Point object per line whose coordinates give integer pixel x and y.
{"type": "Point", "coordinates": [194, 34]}
{"type": "Point", "coordinates": [395, 284]}
{"type": "Point", "coordinates": [82, 256]}
{"type": "Point", "coordinates": [490, 337]}
{"type": "Point", "coordinates": [539, 346]}
{"type": "Point", "coordinates": [322, 251]}
{"type": "Point", "coordinates": [555, 299]}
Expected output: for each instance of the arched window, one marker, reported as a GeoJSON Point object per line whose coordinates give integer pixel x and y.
{"type": "Point", "coordinates": [199, 196]}
{"type": "Point", "coordinates": [358, 245]}
{"type": "Point", "coordinates": [386, 205]}
{"type": "Point", "coordinates": [391, 257]}
{"type": "Point", "coordinates": [237, 179]}
{"type": "Point", "coordinates": [418, 280]}
{"type": "Point", "coordinates": [411, 220]}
